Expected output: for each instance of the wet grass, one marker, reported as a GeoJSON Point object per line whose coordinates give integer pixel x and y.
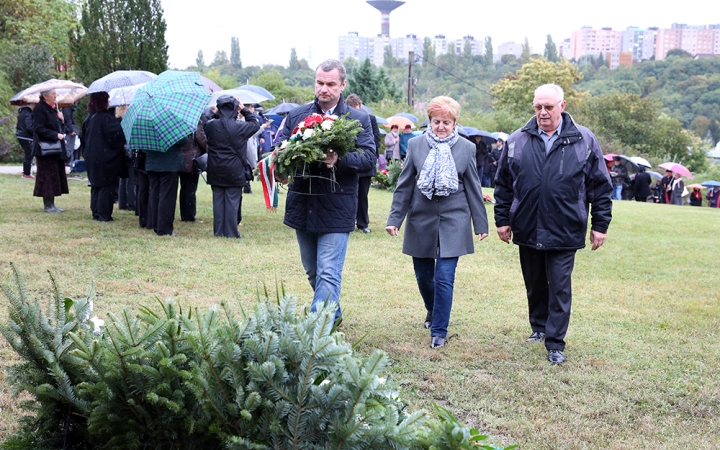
{"type": "Point", "coordinates": [643, 346]}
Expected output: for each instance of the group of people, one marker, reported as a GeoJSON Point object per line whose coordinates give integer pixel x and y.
{"type": "Point", "coordinates": [551, 164]}
{"type": "Point", "coordinates": [550, 178]}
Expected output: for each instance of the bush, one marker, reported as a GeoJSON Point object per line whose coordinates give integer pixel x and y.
{"type": "Point", "coordinates": [278, 378]}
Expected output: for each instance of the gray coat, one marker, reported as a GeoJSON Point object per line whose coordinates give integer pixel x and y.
{"type": "Point", "coordinates": [440, 222]}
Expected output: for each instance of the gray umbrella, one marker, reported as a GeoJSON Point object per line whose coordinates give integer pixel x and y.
{"type": "Point", "coordinates": [256, 89]}
{"type": "Point", "coordinates": [120, 79]}
{"type": "Point", "coordinates": [282, 108]}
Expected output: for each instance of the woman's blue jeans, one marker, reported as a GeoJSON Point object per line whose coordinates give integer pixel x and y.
{"type": "Point", "coordinates": [436, 279]}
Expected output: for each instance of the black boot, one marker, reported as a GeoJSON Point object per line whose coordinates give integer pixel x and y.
{"type": "Point", "coordinates": [50, 207]}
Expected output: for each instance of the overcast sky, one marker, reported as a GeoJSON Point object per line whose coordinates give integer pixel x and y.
{"type": "Point", "coordinates": [269, 29]}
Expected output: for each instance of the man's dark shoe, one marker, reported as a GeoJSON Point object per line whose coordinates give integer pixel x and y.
{"type": "Point", "coordinates": [337, 323]}
{"type": "Point", "coordinates": [556, 357]}
{"type": "Point", "coordinates": [428, 320]}
{"type": "Point", "coordinates": [536, 336]}
{"type": "Point", "coordinates": [437, 342]}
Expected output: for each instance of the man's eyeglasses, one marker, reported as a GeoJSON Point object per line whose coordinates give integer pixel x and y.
{"type": "Point", "coordinates": [548, 108]}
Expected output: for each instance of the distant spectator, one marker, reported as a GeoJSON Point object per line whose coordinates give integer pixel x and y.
{"type": "Point", "coordinates": [696, 197]}
{"type": "Point", "coordinates": [404, 138]}
{"type": "Point", "coordinates": [713, 197]}
{"type": "Point", "coordinates": [24, 135]}
{"type": "Point", "coordinates": [676, 189]}
{"type": "Point", "coordinates": [48, 126]}
{"type": "Point", "coordinates": [392, 144]}
{"type": "Point", "coordinates": [618, 174]}
{"type": "Point", "coordinates": [641, 185]}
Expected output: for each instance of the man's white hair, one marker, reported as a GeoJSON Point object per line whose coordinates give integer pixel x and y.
{"type": "Point", "coordinates": [551, 87]}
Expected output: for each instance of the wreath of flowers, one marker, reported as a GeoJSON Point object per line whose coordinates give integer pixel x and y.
{"type": "Point", "coordinates": [313, 139]}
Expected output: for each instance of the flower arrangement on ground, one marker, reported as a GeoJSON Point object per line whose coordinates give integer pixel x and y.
{"type": "Point", "coordinates": [312, 140]}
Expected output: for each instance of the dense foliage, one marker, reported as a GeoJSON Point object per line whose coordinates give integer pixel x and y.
{"type": "Point", "coordinates": [279, 377]}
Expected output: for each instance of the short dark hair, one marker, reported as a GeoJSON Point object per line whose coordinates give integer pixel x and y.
{"type": "Point", "coordinates": [394, 127]}
{"type": "Point", "coordinates": [329, 64]}
{"type": "Point", "coordinates": [408, 126]}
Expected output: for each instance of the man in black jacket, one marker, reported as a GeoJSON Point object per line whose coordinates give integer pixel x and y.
{"type": "Point", "coordinates": [24, 135]}
{"type": "Point", "coordinates": [548, 175]}
{"type": "Point", "coordinates": [322, 207]}
{"type": "Point", "coordinates": [364, 179]}
{"type": "Point", "coordinates": [641, 185]}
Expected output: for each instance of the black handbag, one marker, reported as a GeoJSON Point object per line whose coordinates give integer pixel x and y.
{"type": "Point", "coordinates": [50, 148]}
{"type": "Point", "coordinates": [200, 164]}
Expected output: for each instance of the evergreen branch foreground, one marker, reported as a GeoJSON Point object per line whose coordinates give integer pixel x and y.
{"type": "Point", "coordinates": [278, 378]}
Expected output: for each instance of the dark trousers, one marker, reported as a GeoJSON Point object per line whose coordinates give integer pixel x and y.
{"type": "Point", "coordinates": [142, 198]}
{"type": "Point", "coordinates": [226, 204]}
{"type": "Point", "coordinates": [188, 203]}
{"type": "Point", "coordinates": [27, 157]}
{"type": "Point", "coordinates": [126, 191]}
{"type": "Point", "coordinates": [162, 199]}
{"type": "Point", "coordinates": [101, 202]}
{"type": "Point", "coordinates": [547, 276]}
{"type": "Point", "coordinates": [363, 218]}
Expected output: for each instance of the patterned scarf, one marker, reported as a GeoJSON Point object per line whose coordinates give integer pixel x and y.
{"type": "Point", "coordinates": [439, 175]}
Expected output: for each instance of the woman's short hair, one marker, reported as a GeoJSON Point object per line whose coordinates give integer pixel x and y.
{"type": "Point", "coordinates": [394, 127]}
{"type": "Point", "coordinates": [443, 106]}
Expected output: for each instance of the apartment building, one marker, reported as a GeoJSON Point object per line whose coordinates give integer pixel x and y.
{"type": "Point", "coordinates": [696, 40]}
{"type": "Point", "coordinates": [588, 41]}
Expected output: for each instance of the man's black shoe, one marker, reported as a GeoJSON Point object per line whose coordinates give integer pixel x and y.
{"type": "Point", "coordinates": [556, 357]}
{"type": "Point", "coordinates": [536, 336]}
{"type": "Point", "coordinates": [428, 320]}
{"type": "Point", "coordinates": [437, 342]}
{"type": "Point", "coordinates": [365, 230]}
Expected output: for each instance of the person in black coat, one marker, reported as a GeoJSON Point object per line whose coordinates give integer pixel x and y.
{"type": "Point", "coordinates": [664, 183]}
{"type": "Point", "coordinates": [641, 185]}
{"type": "Point", "coordinates": [104, 149]}
{"type": "Point", "coordinates": [322, 211]}
{"type": "Point", "coordinates": [50, 179]}
{"type": "Point", "coordinates": [189, 177]}
{"type": "Point", "coordinates": [481, 152]}
{"type": "Point", "coordinates": [364, 179]}
{"type": "Point", "coordinates": [228, 168]}
{"type": "Point", "coordinates": [24, 135]}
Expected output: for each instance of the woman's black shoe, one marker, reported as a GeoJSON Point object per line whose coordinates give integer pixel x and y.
{"type": "Point", "coordinates": [428, 320]}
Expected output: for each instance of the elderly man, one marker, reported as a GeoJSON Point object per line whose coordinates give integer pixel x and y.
{"type": "Point", "coordinates": [322, 211]}
{"type": "Point", "coordinates": [549, 173]}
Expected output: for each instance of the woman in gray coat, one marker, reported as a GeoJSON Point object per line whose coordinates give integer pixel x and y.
{"type": "Point", "coordinates": [439, 191]}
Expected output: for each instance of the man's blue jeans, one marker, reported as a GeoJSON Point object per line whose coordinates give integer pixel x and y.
{"type": "Point", "coordinates": [323, 257]}
{"type": "Point", "coordinates": [617, 192]}
{"type": "Point", "coordinates": [436, 279]}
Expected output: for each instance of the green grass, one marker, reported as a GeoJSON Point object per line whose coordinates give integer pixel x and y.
{"type": "Point", "coordinates": [643, 346]}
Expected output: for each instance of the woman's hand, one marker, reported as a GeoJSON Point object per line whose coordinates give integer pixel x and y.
{"type": "Point", "coordinates": [392, 231]}
{"type": "Point", "coordinates": [61, 137]}
{"type": "Point", "coordinates": [482, 236]}
{"type": "Point", "coordinates": [61, 117]}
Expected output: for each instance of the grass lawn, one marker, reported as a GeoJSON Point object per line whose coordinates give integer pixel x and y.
{"type": "Point", "coordinates": [643, 368]}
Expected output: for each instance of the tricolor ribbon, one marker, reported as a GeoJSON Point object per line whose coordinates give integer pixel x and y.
{"type": "Point", "coordinates": [266, 166]}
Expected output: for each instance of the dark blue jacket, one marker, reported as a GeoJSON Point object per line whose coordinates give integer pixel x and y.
{"type": "Point", "coordinates": [316, 204]}
{"type": "Point", "coordinates": [545, 198]}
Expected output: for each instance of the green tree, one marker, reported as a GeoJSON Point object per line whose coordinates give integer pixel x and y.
{"type": "Point", "coordinates": [467, 54]}
{"type": "Point", "coordinates": [235, 53]}
{"type": "Point", "coordinates": [488, 51]}
{"type": "Point", "coordinates": [550, 50]}
{"type": "Point", "coordinates": [515, 92]}
{"type": "Point", "coordinates": [428, 51]}
{"type": "Point", "coordinates": [363, 82]}
{"type": "Point", "coordinates": [200, 60]}
{"type": "Point", "coordinates": [220, 59]}
{"type": "Point", "coordinates": [679, 53]}
{"type": "Point", "coordinates": [389, 59]}
{"type": "Point", "coordinates": [120, 35]}
{"type": "Point", "coordinates": [600, 61]}
{"type": "Point", "coordinates": [294, 63]}
{"type": "Point", "coordinates": [525, 56]}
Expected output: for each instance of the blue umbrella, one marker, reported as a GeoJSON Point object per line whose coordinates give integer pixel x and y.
{"type": "Point", "coordinates": [408, 116]}
{"type": "Point", "coordinates": [711, 183]}
{"type": "Point", "coordinates": [257, 89]}
{"type": "Point", "coordinates": [276, 118]}
{"type": "Point", "coordinates": [165, 110]}
{"type": "Point", "coordinates": [380, 120]}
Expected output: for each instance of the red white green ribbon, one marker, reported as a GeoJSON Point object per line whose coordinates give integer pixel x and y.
{"type": "Point", "coordinates": [266, 166]}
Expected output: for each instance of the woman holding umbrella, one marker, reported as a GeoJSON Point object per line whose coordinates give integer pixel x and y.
{"type": "Point", "coordinates": [50, 179]}
{"type": "Point", "coordinates": [676, 189]}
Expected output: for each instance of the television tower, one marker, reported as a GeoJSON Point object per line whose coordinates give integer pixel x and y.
{"type": "Point", "coordinates": [385, 7]}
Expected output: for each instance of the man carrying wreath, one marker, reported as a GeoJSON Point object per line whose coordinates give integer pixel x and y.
{"type": "Point", "coordinates": [321, 205]}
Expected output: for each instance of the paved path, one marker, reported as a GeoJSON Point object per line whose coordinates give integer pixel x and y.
{"type": "Point", "coordinates": [17, 170]}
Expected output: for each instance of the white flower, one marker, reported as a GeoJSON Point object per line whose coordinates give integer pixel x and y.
{"type": "Point", "coordinates": [332, 116]}
{"type": "Point", "coordinates": [326, 125]}
{"type": "Point", "coordinates": [284, 143]}
{"type": "Point", "coordinates": [308, 133]}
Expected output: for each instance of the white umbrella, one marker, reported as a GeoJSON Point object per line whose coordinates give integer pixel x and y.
{"type": "Point", "coordinates": [68, 92]}
{"type": "Point", "coordinates": [245, 96]}
{"type": "Point", "coordinates": [640, 161]}
{"type": "Point", "coordinates": [120, 79]}
{"type": "Point", "coordinates": [124, 95]}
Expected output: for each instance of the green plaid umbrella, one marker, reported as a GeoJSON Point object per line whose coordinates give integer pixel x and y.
{"type": "Point", "coordinates": [165, 110]}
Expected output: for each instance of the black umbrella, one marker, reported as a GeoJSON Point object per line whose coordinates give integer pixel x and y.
{"type": "Point", "coordinates": [282, 108]}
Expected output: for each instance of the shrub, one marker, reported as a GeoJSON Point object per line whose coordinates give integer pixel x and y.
{"type": "Point", "coordinates": [278, 378]}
